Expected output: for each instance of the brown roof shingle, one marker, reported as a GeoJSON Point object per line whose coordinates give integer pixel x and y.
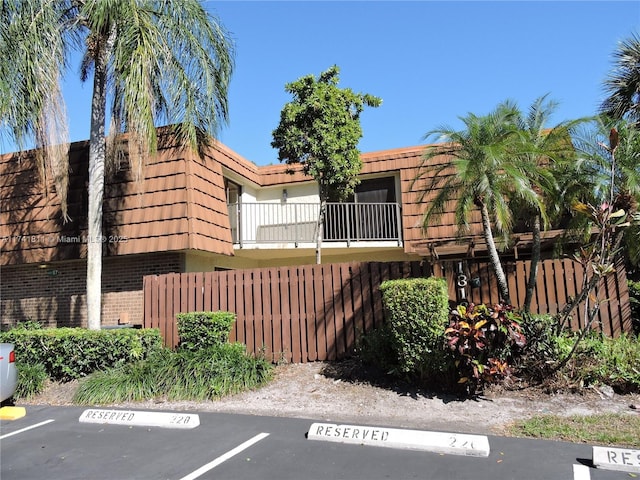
{"type": "Point", "coordinates": [180, 203]}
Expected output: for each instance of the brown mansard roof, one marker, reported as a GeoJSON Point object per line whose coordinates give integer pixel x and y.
{"type": "Point", "coordinates": [179, 205]}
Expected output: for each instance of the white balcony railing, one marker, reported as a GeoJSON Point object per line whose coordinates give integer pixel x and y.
{"type": "Point", "coordinates": [297, 222]}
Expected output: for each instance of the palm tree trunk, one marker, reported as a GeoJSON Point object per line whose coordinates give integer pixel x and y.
{"type": "Point", "coordinates": [503, 286]}
{"type": "Point", "coordinates": [535, 260]}
{"type": "Point", "coordinates": [97, 153]}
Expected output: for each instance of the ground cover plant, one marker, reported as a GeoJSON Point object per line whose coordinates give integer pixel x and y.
{"type": "Point", "coordinates": [619, 430]}
{"type": "Point", "coordinates": [483, 342]}
{"type": "Point", "coordinates": [205, 366]}
{"type": "Point", "coordinates": [31, 380]}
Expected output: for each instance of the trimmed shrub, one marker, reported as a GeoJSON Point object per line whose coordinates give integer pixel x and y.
{"type": "Point", "coordinates": [416, 312]}
{"type": "Point", "coordinates": [70, 353]}
{"type": "Point", "coordinates": [201, 330]}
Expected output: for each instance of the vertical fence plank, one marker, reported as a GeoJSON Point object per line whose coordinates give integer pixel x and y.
{"type": "Point", "coordinates": [378, 307]}
{"type": "Point", "coordinates": [338, 311]}
{"type": "Point", "coordinates": [553, 302]}
{"type": "Point", "coordinates": [347, 298]}
{"type": "Point", "coordinates": [512, 280]}
{"type": "Point", "coordinates": [221, 294]}
{"type": "Point", "coordinates": [244, 302]}
{"type": "Point", "coordinates": [623, 320]}
{"type": "Point", "coordinates": [188, 282]}
{"type": "Point", "coordinates": [367, 300]}
{"type": "Point", "coordinates": [277, 327]}
{"type": "Point", "coordinates": [163, 314]}
{"type": "Point", "coordinates": [207, 292]}
{"type": "Point", "coordinates": [168, 306]}
{"type": "Point", "coordinates": [540, 296]}
{"type": "Point", "coordinates": [357, 305]}
{"type": "Point", "coordinates": [563, 285]}
{"type": "Point", "coordinates": [252, 299]}
{"type": "Point", "coordinates": [572, 285]}
{"type": "Point", "coordinates": [610, 305]}
{"type": "Point", "coordinates": [149, 290]}
{"type": "Point", "coordinates": [320, 318]}
{"type": "Point", "coordinates": [311, 313]}
{"type": "Point", "coordinates": [298, 334]}
{"type": "Point", "coordinates": [521, 276]}
{"type": "Point", "coordinates": [236, 305]}
{"type": "Point", "coordinates": [284, 313]}
{"type": "Point", "coordinates": [199, 292]}
{"type": "Point", "coordinates": [330, 316]}
{"type": "Point", "coordinates": [266, 279]}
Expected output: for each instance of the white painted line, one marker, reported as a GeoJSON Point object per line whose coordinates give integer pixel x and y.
{"type": "Point", "coordinates": [223, 458]}
{"type": "Point", "coordinates": [439, 442]}
{"type": "Point", "coordinates": [581, 472]}
{"type": "Point", "coordinates": [619, 459]}
{"type": "Point", "coordinates": [26, 428]}
{"type": "Point", "coordinates": [140, 419]}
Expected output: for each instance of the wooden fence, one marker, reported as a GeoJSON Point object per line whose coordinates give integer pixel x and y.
{"type": "Point", "coordinates": [316, 312]}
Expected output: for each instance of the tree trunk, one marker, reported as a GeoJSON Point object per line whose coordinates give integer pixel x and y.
{"type": "Point", "coordinates": [97, 153]}
{"type": "Point", "coordinates": [503, 286]}
{"type": "Point", "coordinates": [535, 261]}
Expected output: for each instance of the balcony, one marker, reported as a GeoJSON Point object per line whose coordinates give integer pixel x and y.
{"type": "Point", "coordinates": [255, 223]}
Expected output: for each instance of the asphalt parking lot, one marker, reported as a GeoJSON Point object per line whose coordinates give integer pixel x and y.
{"type": "Point", "coordinates": [52, 443]}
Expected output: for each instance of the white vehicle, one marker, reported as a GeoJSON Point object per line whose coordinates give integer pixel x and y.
{"type": "Point", "coordinates": [8, 371]}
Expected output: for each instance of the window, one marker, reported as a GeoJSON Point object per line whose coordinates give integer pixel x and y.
{"type": "Point", "coordinates": [233, 193]}
{"type": "Point", "coordinates": [370, 214]}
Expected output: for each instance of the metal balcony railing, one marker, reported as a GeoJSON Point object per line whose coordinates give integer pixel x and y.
{"type": "Point", "coordinates": [297, 222]}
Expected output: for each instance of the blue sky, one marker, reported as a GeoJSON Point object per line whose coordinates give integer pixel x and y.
{"type": "Point", "coordinates": [431, 62]}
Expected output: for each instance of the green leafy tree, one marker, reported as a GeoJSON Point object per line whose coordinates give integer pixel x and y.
{"type": "Point", "coordinates": [623, 83]}
{"type": "Point", "coordinates": [485, 176]}
{"type": "Point", "coordinates": [320, 129]}
{"type": "Point", "coordinates": [157, 61]}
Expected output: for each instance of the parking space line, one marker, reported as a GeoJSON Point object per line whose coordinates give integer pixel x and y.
{"type": "Point", "coordinates": [581, 472]}
{"type": "Point", "coordinates": [223, 458]}
{"type": "Point", "coordinates": [26, 428]}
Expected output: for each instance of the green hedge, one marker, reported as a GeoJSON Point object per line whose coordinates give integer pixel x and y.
{"type": "Point", "coordinates": [417, 312]}
{"type": "Point", "coordinates": [69, 353]}
{"type": "Point", "coordinates": [201, 330]}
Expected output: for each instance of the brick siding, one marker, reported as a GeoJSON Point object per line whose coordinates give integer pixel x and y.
{"type": "Point", "coordinates": [54, 295]}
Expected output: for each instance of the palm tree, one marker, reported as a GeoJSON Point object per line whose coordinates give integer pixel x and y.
{"type": "Point", "coordinates": [623, 83]}
{"type": "Point", "coordinates": [485, 177]}
{"type": "Point", "coordinates": [601, 182]}
{"type": "Point", "coordinates": [543, 149]}
{"type": "Point", "coordinates": [157, 61]}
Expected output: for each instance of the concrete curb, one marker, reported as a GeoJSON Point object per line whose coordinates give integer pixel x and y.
{"type": "Point", "coordinates": [438, 442]}
{"type": "Point", "coordinates": [618, 459]}
{"type": "Point", "coordinates": [141, 419]}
